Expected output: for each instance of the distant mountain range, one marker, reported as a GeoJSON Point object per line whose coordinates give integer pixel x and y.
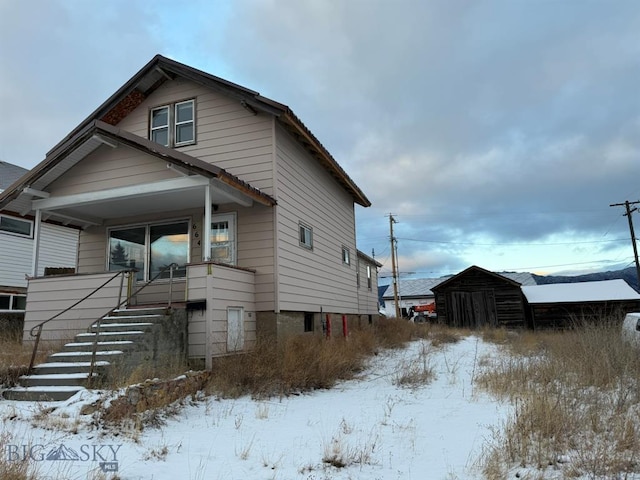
{"type": "Point", "coordinates": [627, 274]}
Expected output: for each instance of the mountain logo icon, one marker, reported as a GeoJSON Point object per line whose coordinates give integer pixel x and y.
{"type": "Point", "coordinates": [62, 453]}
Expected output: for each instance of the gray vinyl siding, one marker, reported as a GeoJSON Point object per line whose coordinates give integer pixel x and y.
{"type": "Point", "coordinates": [231, 288]}
{"type": "Point", "coordinates": [58, 248]}
{"type": "Point", "coordinates": [310, 280]}
{"type": "Point", "coordinates": [254, 243]}
{"type": "Point", "coordinates": [367, 297]}
{"type": "Point", "coordinates": [108, 168]}
{"type": "Point", "coordinates": [227, 135]}
{"type": "Point", "coordinates": [48, 296]}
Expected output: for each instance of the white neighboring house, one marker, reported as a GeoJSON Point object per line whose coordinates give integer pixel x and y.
{"type": "Point", "coordinates": [58, 247]}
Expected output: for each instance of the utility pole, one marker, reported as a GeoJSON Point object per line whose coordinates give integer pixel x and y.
{"type": "Point", "coordinates": [627, 204]}
{"type": "Point", "coordinates": [394, 271]}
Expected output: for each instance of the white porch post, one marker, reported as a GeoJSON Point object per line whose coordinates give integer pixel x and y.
{"type": "Point", "coordinates": [206, 230]}
{"type": "Point", "coordinates": [206, 256]}
{"type": "Point", "coordinates": [36, 242]}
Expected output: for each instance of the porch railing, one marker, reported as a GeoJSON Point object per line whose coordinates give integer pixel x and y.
{"type": "Point", "coordinates": [36, 331]}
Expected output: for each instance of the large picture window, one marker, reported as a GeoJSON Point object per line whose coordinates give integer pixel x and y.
{"type": "Point", "coordinates": [150, 248]}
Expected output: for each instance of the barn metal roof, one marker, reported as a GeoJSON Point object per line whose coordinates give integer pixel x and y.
{"type": "Point", "coordinates": [600, 291]}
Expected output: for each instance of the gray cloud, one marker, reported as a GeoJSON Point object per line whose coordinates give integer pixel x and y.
{"type": "Point", "coordinates": [474, 122]}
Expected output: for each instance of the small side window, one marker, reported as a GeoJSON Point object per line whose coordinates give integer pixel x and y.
{"type": "Point", "coordinates": [369, 277]}
{"type": "Point", "coordinates": [346, 257]}
{"type": "Point", "coordinates": [16, 225]}
{"type": "Point", "coordinates": [305, 236]}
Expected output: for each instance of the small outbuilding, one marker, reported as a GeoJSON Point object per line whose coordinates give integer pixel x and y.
{"type": "Point", "coordinates": [476, 298]}
{"type": "Point", "coordinates": [558, 305]}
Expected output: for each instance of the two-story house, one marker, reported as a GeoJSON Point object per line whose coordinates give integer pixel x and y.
{"type": "Point", "coordinates": [181, 167]}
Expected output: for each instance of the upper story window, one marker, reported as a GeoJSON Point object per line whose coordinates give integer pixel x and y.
{"type": "Point", "coordinates": [305, 236]}
{"type": "Point", "coordinates": [173, 125]}
{"type": "Point", "coordinates": [16, 226]}
{"type": "Point", "coordinates": [346, 256]}
{"type": "Point", "coordinates": [369, 277]}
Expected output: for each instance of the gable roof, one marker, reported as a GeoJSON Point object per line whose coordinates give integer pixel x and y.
{"type": "Point", "coordinates": [9, 173]}
{"type": "Point", "coordinates": [97, 133]}
{"type": "Point", "coordinates": [514, 278]}
{"type": "Point", "coordinates": [161, 69]}
{"type": "Point", "coordinates": [600, 291]}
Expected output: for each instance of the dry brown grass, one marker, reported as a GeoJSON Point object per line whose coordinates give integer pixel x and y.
{"type": "Point", "coordinates": [575, 396]}
{"type": "Point", "coordinates": [15, 357]}
{"type": "Point", "coordinates": [307, 362]}
{"type": "Point", "coordinates": [18, 468]}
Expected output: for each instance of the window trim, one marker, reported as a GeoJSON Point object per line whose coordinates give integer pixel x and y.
{"type": "Point", "coordinates": [176, 123]}
{"type": "Point", "coordinates": [369, 277]}
{"type": "Point", "coordinates": [147, 244]}
{"type": "Point", "coordinates": [17, 234]}
{"type": "Point", "coordinates": [12, 302]}
{"type": "Point", "coordinates": [232, 219]}
{"type": "Point", "coordinates": [346, 256]}
{"type": "Point", "coordinates": [304, 242]}
{"type": "Point", "coordinates": [172, 122]}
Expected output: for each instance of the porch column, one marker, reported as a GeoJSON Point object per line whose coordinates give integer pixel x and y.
{"type": "Point", "coordinates": [206, 228]}
{"type": "Point", "coordinates": [36, 243]}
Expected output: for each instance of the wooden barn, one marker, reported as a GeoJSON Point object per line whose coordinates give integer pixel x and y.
{"type": "Point", "coordinates": [560, 305]}
{"type": "Point", "coordinates": [476, 298]}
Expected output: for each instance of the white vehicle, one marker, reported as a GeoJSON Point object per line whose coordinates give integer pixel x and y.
{"type": "Point", "coordinates": [631, 328]}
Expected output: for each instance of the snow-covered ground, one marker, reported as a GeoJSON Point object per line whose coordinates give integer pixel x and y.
{"type": "Point", "coordinates": [367, 428]}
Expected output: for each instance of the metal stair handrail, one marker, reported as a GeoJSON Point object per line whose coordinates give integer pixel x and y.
{"type": "Point", "coordinates": [94, 349]}
{"type": "Point", "coordinates": [40, 326]}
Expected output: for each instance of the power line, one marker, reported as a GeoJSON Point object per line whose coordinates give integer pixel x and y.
{"type": "Point", "coordinates": [511, 244]}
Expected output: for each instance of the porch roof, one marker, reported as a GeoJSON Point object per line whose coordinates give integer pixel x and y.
{"type": "Point", "coordinates": [28, 193]}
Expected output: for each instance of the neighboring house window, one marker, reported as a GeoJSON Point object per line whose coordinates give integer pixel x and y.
{"type": "Point", "coordinates": [369, 277]}
{"type": "Point", "coordinates": [305, 236]}
{"type": "Point", "coordinates": [13, 302]}
{"type": "Point", "coordinates": [346, 257]}
{"type": "Point", "coordinates": [308, 322]}
{"type": "Point", "coordinates": [173, 125]}
{"type": "Point", "coordinates": [16, 226]}
{"type": "Point", "coordinates": [223, 238]}
{"type": "Point", "coordinates": [150, 248]}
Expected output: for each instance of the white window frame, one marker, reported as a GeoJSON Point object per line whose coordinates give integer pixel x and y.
{"type": "Point", "coordinates": [346, 256]}
{"type": "Point", "coordinates": [18, 234]}
{"type": "Point", "coordinates": [369, 277]}
{"type": "Point", "coordinates": [172, 123]}
{"type": "Point", "coordinates": [305, 236]}
{"type": "Point", "coordinates": [12, 302]}
{"type": "Point", "coordinates": [177, 124]}
{"type": "Point", "coordinates": [147, 245]}
{"type": "Point", "coordinates": [232, 220]}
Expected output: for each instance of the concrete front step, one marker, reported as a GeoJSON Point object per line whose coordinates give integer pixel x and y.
{"type": "Point", "coordinates": [56, 379]}
{"type": "Point", "coordinates": [122, 327]}
{"type": "Point", "coordinates": [51, 368]}
{"type": "Point", "coordinates": [133, 336]}
{"type": "Point", "coordinates": [108, 355]}
{"type": "Point", "coordinates": [42, 394]}
{"type": "Point", "coordinates": [123, 345]}
{"type": "Point", "coordinates": [149, 318]}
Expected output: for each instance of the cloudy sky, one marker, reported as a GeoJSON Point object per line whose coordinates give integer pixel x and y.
{"type": "Point", "coordinates": [496, 132]}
